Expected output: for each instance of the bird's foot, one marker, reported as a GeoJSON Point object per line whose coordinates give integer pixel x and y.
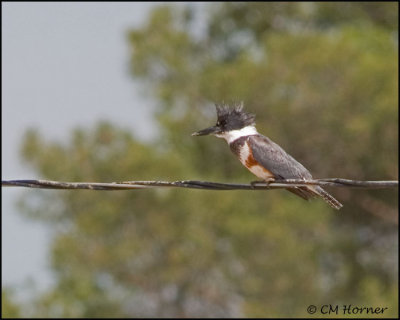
{"type": "Point", "coordinates": [266, 181]}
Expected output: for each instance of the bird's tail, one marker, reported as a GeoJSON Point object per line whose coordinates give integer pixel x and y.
{"type": "Point", "coordinates": [328, 198]}
{"type": "Point", "coordinates": [316, 191]}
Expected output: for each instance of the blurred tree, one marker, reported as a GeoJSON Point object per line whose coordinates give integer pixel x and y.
{"type": "Point", "coordinates": [322, 79]}
{"type": "Point", "coordinates": [9, 308]}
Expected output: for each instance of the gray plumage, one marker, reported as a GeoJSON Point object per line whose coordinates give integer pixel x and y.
{"type": "Point", "coordinates": [283, 166]}
{"type": "Point", "coordinates": [272, 157]}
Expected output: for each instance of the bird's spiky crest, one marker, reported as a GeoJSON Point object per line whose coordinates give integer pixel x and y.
{"type": "Point", "coordinates": [234, 114]}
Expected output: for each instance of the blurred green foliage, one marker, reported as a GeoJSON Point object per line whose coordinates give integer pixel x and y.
{"type": "Point", "coordinates": [9, 309]}
{"type": "Point", "coordinates": [322, 79]}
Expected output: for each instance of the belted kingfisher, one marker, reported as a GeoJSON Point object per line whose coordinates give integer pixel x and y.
{"type": "Point", "coordinates": [263, 157]}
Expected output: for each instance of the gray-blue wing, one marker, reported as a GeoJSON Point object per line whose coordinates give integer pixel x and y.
{"type": "Point", "coordinates": [275, 159]}
{"type": "Point", "coordinates": [283, 166]}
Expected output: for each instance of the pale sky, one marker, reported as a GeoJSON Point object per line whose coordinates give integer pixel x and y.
{"type": "Point", "coordinates": [63, 65]}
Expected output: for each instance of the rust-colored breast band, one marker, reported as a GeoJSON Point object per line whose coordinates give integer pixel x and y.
{"type": "Point", "coordinates": [251, 162]}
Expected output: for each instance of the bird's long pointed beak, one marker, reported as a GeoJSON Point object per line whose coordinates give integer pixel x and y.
{"type": "Point", "coordinates": [210, 130]}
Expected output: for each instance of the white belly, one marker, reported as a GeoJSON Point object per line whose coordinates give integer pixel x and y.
{"type": "Point", "coordinates": [261, 172]}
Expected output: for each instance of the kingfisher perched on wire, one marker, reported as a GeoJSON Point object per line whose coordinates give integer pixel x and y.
{"type": "Point", "coordinates": [263, 157]}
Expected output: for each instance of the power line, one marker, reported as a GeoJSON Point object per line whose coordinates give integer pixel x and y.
{"type": "Point", "coordinates": [194, 184]}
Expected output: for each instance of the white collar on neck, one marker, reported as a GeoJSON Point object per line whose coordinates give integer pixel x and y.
{"type": "Point", "coordinates": [233, 135]}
